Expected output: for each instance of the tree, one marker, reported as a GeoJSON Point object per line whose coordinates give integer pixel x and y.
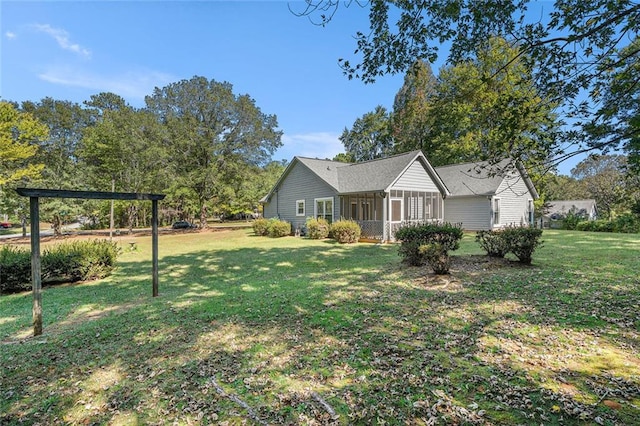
{"type": "Point", "coordinates": [411, 118]}
{"type": "Point", "coordinates": [20, 133]}
{"type": "Point", "coordinates": [604, 179]}
{"type": "Point", "coordinates": [66, 122]}
{"type": "Point", "coordinates": [370, 136]}
{"type": "Point", "coordinates": [475, 116]}
{"type": "Point", "coordinates": [127, 147]}
{"type": "Point", "coordinates": [568, 47]}
{"type": "Point", "coordinates": [213, 133]}
{"type": "Point", "coordinates": [344, 157]}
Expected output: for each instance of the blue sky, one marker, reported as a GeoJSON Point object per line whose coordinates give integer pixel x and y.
{"type": "Point", "coordinates": [72, 50]}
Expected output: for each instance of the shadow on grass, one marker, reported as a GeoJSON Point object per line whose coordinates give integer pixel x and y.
{"type": "Point", "coordinates": [276, 327]}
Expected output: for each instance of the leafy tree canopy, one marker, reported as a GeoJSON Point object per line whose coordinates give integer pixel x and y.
{"type": "Point", "coordinates": [370, 136]}
{"type": "Point", "coordinates": [19, 134]}
{"type": "Point", "coordinates": [571, 47]}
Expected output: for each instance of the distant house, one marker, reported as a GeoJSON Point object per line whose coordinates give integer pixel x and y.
{"type": "Point", "coordinates": [557, 211]}
{"type": "Point", "coordinates": [482, 199]}
{"type": "Point", "coordinates": [382, 194]}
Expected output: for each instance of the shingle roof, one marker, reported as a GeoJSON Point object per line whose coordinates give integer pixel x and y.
{"type": "Point", "coordinates": [564, 206]}
{"type": "Point", "coordinates": [368, 176]}
{"type": "Point", "coordinates": [471, 178]}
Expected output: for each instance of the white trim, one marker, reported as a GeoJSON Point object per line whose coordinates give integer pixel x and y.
{"type": "Point", "coordinates": [325, 199]}
{"type": "Point", "coordinates": [495, 202]}
{"type": "Point", "coordinates": [304, 207]}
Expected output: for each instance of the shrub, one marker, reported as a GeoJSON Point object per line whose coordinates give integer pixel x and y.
{"type": "Point", "coordinates": [412, 236]}
{"type": "Point", "coordinates": [278, 228]}
{"type": "Point", "coordinates": [596, 226]}
{"type": "Point", "coordinates": [67, 262]}
{"type": "Point", "coordinates": [627, 223]}
{"type": "Point", "coordinates": [15, 269]}
{"type": "Point", "coordinates": [317, 229]}
{"type": "Point", "coordinates": [345, 231]}
{"type": "Point", "coordinates": [437, 257]}
{"type": "Point", "coordinates": [493, 242]}
{"type": "Point", "coordinates": [261, 227]}
{"type": "Point", "coordinates": [79, 260]}
{"type": "Point", "coordinates": [522, 241]}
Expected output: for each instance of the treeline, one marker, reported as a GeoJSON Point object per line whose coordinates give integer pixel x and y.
{"type": "Point", "coordinates": [208, 149]}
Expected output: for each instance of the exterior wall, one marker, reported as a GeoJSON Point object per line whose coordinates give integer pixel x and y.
{"type": "Point", "coordinates": [415, 178]}
{"type": "Point", "coordinates": [299, 184]}
{"type": "Point", "coordinates": [514, 198]}
{"type": "Point", "coordinates": [474, 213]}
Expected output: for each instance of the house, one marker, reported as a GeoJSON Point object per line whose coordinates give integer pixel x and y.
{"type": "Point", "coordinates": [488, 197]}
{"type": "Point", "coordinates": [382, 194]}
{"type": "Point", "coordinates": [379, 194]}
{"type": "Point", "coordinates": [556, 211]}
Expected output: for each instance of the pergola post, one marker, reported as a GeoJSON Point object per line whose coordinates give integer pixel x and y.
{"type": "Point", "coordinates": [154, 244]}
{"type": "Point", "coordinates": [36, 278]}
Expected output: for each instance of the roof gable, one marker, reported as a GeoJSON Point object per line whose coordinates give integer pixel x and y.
{"type": "Point", "coordinates": [480, 178]}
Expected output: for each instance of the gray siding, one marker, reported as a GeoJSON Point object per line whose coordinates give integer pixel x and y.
{"type": "Point", "coordinates": [514, 196]}
{"type": "Point", "coordinates": [474, 213]}
{"type": "Point", "coordinates": [415, 178]}
{"type": "Point", "coordinates": [299, 184]}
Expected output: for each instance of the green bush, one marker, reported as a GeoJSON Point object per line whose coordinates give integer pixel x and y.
{"type": "Point", "coordinates": [317, 229]}
{"type": "Point", "coordinates": [493, 243]}
{"type": "Point", "coordinates": [627, 224]}
{"type": "Point", "coordinates": [66, 262]}
{"type": "Point", "coordinates": [345, 231]}
{"type": "Point", "coordinates": [261, 227]}
{"type": "Point", "coordinates": [596, 226]}
{"type": "Point", "coordinates": [412, 236]}
{"type": "Point", "coordinates": [437, 257]}
{"type": "Point", "coordinates": [79, 260]}
{"type": "Point", "coordinates": [15, 269]}
{"type": "Point", "coordinates": [278, 228]}
{"type": "Point", "coordinates": [522, 241]}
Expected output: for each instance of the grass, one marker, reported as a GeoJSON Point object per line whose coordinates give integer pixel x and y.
{"type": "Point", "coordinates": [296, 331]}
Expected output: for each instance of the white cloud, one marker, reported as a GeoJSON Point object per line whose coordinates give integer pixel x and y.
{"type": "Point", "coordinates": [133, 84]}
{"type": "Point", "coordinates": [313, 145]}
{"type": "Point", "coordinates": [62, 38]}
{"type": "Point", "coordinates": [10, 35]}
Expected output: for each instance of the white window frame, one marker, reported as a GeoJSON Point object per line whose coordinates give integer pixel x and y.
{"type": "Point", "coordinates": [324, 200]}
{"type": "Point", "coordinates": [530, 211]}
{"type": "Point", "coordinates": [495, 210]}
{"type": "Point", "coordinates": [304, 207]}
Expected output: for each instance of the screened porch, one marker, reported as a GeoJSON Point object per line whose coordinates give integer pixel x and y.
{"type": "Point", "coordinates": [379, 214]}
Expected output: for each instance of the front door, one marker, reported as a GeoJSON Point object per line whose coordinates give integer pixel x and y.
{"type": "Point", "coordinates": [397, 209]}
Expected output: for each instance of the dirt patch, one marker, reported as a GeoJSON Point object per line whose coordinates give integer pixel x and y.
{"type": "Point", "coordinates": [462, 268]}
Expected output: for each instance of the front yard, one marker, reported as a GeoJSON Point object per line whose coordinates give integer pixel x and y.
{"type": "Point", "coordinates": [294, 331]}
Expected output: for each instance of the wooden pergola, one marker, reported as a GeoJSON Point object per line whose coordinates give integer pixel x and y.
{"type": "Point", "coordinates": [35, 194]}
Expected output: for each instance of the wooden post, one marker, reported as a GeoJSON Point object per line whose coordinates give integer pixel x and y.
{"type": "Point", "coordinates": [36, 279]}
{"type": "Point", "coordinates": [154, 244]}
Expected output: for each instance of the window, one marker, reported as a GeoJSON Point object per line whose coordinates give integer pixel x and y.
{"type": "Point", "coordinates": [396, 210]}
{"type": "Point", "coordinates": [496, 211]}
{"type": "Point", "coordinates": [530, 211]}
{"type": "Point", "coordinates": [300, 210]}
{"type": "Point", "coordinates": [324, 208]}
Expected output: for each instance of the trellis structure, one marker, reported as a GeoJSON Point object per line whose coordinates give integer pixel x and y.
{"type": "Point", "coordinates": [35, 194]}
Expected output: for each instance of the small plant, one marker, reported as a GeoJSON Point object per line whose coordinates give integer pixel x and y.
{"type": "Point", "coordinates": [493, 242]}
{"type": "Point", "coordinates": [278, 228]}
{"type": "Point", "coordinates": [437, 257]}
{"type": "Point", "coordinates": [345, 231]}
{"type": "Point", "coordinates": [261, 227]}
{"type": "Point", "coordinates": [317, 229]}
{"type": "Point", "coordinates": [522, 241]}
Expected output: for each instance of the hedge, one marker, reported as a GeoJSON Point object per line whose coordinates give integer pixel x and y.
{"type": "Point", "coordinates": [317, 229]}
{"type": "Point", "coordinates": [345, 231]}
{"type": "Point", "coordinates": [66, 262]}
{"type": "Point", "coordinates": [445, 236]}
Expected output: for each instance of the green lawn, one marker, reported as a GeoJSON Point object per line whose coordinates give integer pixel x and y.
{"type": "Point", "coordinates": [293, 331]}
